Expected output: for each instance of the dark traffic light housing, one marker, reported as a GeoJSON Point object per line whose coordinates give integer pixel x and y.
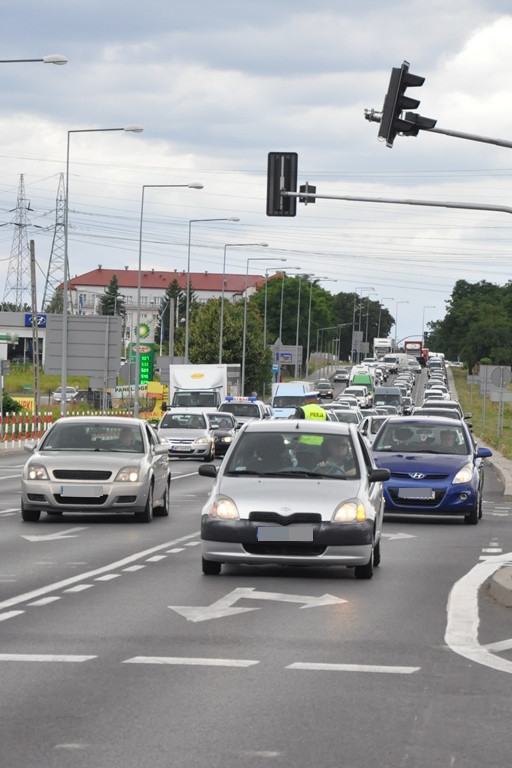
{"type": "Point", "coordinates": [281, 177]}
{"type": "Point", "coordinates": [395, 102]}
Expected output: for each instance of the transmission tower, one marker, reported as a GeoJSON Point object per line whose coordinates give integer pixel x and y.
{"type": "Point", "coordinates": [17, 282]}
{"type": "Point", "coordinates": [55, 274]}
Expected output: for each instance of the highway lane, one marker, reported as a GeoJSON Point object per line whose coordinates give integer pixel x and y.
{"type": "Point", "coordinates": [142, 660]}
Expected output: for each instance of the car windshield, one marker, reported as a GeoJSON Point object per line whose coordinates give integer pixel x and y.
{"type": "Point", "coordinates": [422, 438]}
{"type": "Point", "coordinates": [94, 436]}
{"type": "Point", "coordinates": [221, 420]}
{"type": "Point", "coordinates": [293, 454]}
{"type": "Point", "coordinates": [183, 421]}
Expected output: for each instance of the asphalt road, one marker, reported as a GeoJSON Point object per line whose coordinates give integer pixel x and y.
{"type": "Point", "coordinates": [115, 651]}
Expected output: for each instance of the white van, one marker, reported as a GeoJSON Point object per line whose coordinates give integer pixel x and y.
{"type": "Point", "coordinates": [361, 393]}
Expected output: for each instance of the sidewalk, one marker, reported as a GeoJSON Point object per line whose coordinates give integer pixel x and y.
{"type": "Point", "coordinates": [501, 581]}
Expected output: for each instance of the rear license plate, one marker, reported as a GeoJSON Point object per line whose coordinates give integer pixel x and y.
{"type": "Point", "coordinates": [84, 491]}
{"type": "Point", "coordinates": [281, 533]}
{"type": "Point", "coordinates": [416, 493]}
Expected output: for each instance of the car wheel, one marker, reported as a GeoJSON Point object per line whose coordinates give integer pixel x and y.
{"type": "Point", "coordinates": [364, 571]}
{"type": "Point", "coordinates": [147, 515]}
{"type": "Point", "coordinates": [376, 554]}
{"type": "Point", "coordinates": [30, 515]}
{"type": "Point", "coordinates": [164, 510]}
{"type": "Point", "coordinates": [472, 517]}
{"type": "Point", "coordinates": [210, 456]}
{"type": "Point", "coordinates": [211, 567]}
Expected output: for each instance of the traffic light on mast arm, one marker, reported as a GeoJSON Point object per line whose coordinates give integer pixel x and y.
{"type": "Point", "coordinates": [395, 102]}
{"type": "Point", "coordinates": [281, 177]}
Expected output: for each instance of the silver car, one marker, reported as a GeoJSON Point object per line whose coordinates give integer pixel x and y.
{"type": "Point", "coordinates": [96, 464]}
{"type": "Point", "coordinates": [297, 493]}
{"type": "Point", "coordinates": [71, 394]}
{"type": "Point", "coordinates": [189, 434]}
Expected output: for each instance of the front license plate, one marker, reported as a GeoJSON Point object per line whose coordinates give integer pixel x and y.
{"type": "Point", "coordinates": [88, 491]}
{"type": "Point", "coordinates": [282, 533]}
{"type": "Point", "coordinates": [416, 493]}
{"type": "Point", "coordinates": [180, 448]}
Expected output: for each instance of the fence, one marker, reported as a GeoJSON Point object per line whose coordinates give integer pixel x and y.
{"type": "Point", "coordinates": [17, 427]}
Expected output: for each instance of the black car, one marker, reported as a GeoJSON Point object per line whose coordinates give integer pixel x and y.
{"type": "Point", "coordinates": [225, 426]}
{"type": "Point", "coordinates": [324, 388]}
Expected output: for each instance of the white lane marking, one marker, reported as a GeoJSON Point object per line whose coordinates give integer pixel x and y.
{"type": "Point", "coordinates": [70, 533]}
{"type": "Point", "coordinates": [43, 657]}
{"type": "Point", "coordinates": [223, 607]}
{"type": "Point", "coordinates": [500, 645]}
{"type": "Point", "coordinates": [90, 574]}
{"type": "Point", "coordinates": [155, 559]}
{"type": "Point", "coordinates": [79, 588]}
{"type": "Point", "coordinates": [192, 544]}
{"type": "Point", "coordinates": [316, 666]}
{"type": "Point", "coordinates": [108, 577]}
{"type": "Point", "coordinates": [133, 568]}
{"type": "Point", "coordinates": [45, 601]}
{"type": "Point", "coordinates": [175, 550]}
{"type": "Point", "coordinates": [462, 615]}
{"type": "Point", "coordinates": [10, 615]}
{"type": "Point", "coordinates": [189, 661]}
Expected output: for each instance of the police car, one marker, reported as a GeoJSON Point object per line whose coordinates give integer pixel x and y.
{"type": "Point", "coordinates": [246, 409]}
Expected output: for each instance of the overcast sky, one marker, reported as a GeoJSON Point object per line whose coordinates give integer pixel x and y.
{"type": "Point", "coordinates": [216, 85]}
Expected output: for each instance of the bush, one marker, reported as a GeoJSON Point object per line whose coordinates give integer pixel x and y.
{"type": "Point", "coordinates": [9, 405]}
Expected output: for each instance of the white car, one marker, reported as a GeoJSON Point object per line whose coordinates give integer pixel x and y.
{"type": "Point", "coordinates": [71, 394]}
{"type": "Point", "coordinates": [188, 433]}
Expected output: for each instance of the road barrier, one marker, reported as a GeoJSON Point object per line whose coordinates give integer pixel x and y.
{"type": "Point", "coordinates": [18, 427]}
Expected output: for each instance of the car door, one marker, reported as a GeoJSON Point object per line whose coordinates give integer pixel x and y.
{"type": "Point", "coordinates": [160, 463]}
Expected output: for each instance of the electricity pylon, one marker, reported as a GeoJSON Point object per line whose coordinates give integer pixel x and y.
{"type": "Point", "coordinates": [17, 282]}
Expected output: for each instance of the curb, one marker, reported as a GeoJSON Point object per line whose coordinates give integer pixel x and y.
{"type": "Point", "coordinates": [500, 586]}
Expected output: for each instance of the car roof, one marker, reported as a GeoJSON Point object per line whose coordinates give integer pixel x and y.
{"type": "Point", "coordinates": [305, 425]}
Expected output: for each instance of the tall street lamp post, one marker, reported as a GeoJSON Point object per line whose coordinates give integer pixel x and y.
{"type": "Point", "coordinates": [139, 285]}
{"type": "Point", "coordinates": [384, 298]}
{"type": "Point", "coordinates": [314, 280]}
{"type": "Point", "coordinates": [64, 365]}
{"type": "Point", "coordinates": [372, 293]}
{"type": "Point", "coordinates": [230, 245]}
{"type": "Point", "coordinates": [52, 58]}
{"type": "Point", "coordinates": [358, 298]}
{"type": "Point", "coordinates": [429, 306]}
{"type": "Point", "coordinates": [285, 274]}
{"type": "Point", "coordinates": [396, 319]}
{"type": "Point", "coordinates": [297, 331]}
{"type": "Point", "coordinates": [187, 304]}
{"type": "Point", "coordinates": [244, 335]}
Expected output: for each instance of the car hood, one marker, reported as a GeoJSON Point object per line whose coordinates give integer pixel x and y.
{"type": "Point", "coordinates": [287, 496]}
{"type": "Point", "coordinates": [400, 462]}
{"type": "Point", "coordinates": [85, 460]}
{"type": "Point", "coordinates": [183, 434]}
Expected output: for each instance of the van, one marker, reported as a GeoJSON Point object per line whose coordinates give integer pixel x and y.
{"type": "Point", "coordinates": [361, 393]}
{"type": "Point", "coordinates": [286, 397]}
{"type": "Point", "coordinates": [364, 380]}
{"type": "Point", "coordinates": [388, 396]}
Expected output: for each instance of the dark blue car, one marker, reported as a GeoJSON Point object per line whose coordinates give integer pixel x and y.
{"type": "Point", "coordinates": [436, 468]}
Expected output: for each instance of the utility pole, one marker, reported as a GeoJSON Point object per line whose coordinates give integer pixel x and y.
{"type": "Point", "coordinates": [17, 283]}
{"type": "Point", "coordinates": [55, 273]}
{"type": "Point", "coordinates": [35, 335]}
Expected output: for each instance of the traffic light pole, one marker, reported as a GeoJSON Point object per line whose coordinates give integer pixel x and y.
{"type": "Point", "coordinates": [401, 201]}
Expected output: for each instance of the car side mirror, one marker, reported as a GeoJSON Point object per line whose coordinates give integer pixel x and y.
{"type": "Point", "coordinates": [208, 470]}
{"type": "Point", "coordinates": [376, 475]}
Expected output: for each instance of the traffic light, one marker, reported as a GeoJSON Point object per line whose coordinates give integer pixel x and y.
{"type": "Point", "coordinates": [281, 176]}
{"type": "Point", "coordinates": [395, 102]}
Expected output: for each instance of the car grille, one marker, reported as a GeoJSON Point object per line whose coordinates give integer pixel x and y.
{"type": "Point", "coordinates": [297, 549]}
{"type": "Point", "coordinates": [427, 476]}
{"type": "Point", "coordinates": [82, 474]}
{"type": "Point", "coordinates": [408, 503]}
{"type": "Point", "coordinates": [79, 501]}
{"type": "Point", "coordinates": [275, 517]}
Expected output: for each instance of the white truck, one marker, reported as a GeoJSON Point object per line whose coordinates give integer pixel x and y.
{"type": "Point", "coordinates": [383, 347]}
{"type": "Point", "coordinates": [198, 386]}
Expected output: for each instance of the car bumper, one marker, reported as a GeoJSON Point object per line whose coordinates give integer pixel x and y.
{"type": "Point", "coordinates": [189, 452]}
{"type": "Point", "coordinates": [239, 541]}
{"type": "Point", "coordinates": [91, 497]}
{"type": "Point", "coordinates": [452, 500]}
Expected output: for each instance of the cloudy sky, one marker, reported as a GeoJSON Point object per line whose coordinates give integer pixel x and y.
{"type": "Point", "coordinates": [216, 85]}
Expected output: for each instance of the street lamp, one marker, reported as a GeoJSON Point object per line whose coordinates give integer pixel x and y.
{"type": "Point", "coordinates": [314, 280]}
{"type": "Point", "coordinates": [193, 185]}
{"type": "Point", "coordinates": [371, 293]}
{"type": "Point", "coordinates": [358, 288]}
{"type": "Point", "coordinates": [64, 365]}
{"type": "Point", "coordinates": [52, 58]}
{"type": "Point", "coordinates": [384, 298]}
{"type": "Point", "coordinates": [187, 305]}
{"type": "Point", "coordinates": [230, 245]}
{"type": "Point", "coordinates": [281, 318]}
{"type": "Point", "coordinates": [244, 335]}
{"type": "Point", "coordinates": [396, 319]}
{"type": "Point", "coordinates": [429, 306]}
{"type": "Point", "coordinates": [297, 330]}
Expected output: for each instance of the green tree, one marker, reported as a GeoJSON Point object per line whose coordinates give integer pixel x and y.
{"type": "Point", "coordinates": [56, 303]}
{"type": "Point", "coordinates": [173, 294]}
{"type": "Point", "coordinates": [111, 302]}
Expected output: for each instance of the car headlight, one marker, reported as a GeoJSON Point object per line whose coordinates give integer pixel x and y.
{"type": "Point", "coordinates": [201, 440]}
{"type": "Point", "coordinates": [464, 475]}
{"type": "Point", "coordinates": [349, 512]}
{"type": "Point", "coordinates": [226, 439]}
{"type": "Point", "coordinates": [36, 472]}
{"type": "Point", "coordinates": [224, 508]}
{"type": "Point", "coordinates": [128, 475]}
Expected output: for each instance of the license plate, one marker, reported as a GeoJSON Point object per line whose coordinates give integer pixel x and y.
{"type": "Point", "coordinates": [88, 491]}
{"type": "Point", "coordinates": [180, 448]}
{"type": "Point", "coordinates": [282, 533]}
{"type": "Point", "coordinates": [416, 493]}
